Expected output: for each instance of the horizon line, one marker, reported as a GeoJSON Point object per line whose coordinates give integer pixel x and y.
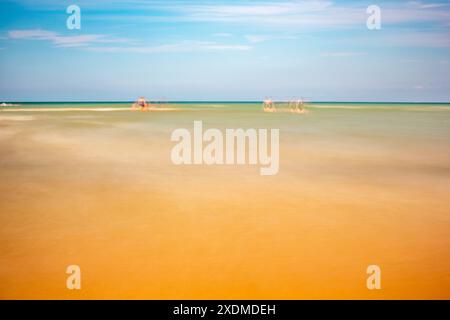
{"type": "Point", "coordinates": [224, 101]}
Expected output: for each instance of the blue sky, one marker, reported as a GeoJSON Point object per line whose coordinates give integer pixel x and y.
{"type": "Point", "coordinates": [225, 50]}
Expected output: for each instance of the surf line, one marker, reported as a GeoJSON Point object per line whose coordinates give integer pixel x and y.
{"type": "Point", "coordinates": [240, 147]}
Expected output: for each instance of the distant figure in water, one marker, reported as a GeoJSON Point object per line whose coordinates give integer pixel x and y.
{"type": "Point", "coordinates": [141, 104]}
{"type": "Point", "coordinates": [297, 106]}
{"type": "Point", "coordinates": [269, 106]}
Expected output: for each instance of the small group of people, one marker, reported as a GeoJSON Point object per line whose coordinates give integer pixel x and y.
{"type": "Point", "coordinates": [141, 104]}
{"type": "Point", "coordinates": [295, 106]}
{"type": "Point", "coordinates": [269, 106]}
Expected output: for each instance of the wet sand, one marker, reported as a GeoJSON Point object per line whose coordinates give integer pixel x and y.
{"type": "Point", "coordinates": [356, 187]}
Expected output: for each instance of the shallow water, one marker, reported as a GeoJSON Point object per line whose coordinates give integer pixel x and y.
{"type": "Point", "coordinates": [359, 184]}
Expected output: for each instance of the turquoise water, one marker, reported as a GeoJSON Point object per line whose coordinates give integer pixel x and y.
{"type": "Point", "coordinates": [398, 121]}
{"type": "Point", "coordinates": [206, 104]}
{"type": "Point", "coordinates": [385, 127]}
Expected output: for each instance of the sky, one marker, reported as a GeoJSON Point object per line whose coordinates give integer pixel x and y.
{"type": "Point", "coordinates": [318, 50]}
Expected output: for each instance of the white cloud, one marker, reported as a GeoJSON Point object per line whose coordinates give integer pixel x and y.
{"type": "Point", "coordinates": [343, 54]}
{"type": "Point", "coordinates": [257, 38]}
{"type": "Point", "coordinates": [274, 13]}
{"type": "Point", "coordinates": [302, 13]}
{"type": "Point", "coordinates": [34, 34]}
{"type": "Point", "coordinates": [421, 5]}
{"type": "Point", "coordinates": [59, 40]}
{"type": "Point", "coordinates": [262, 38]}
{"type": "Point", "coordinates": [184, 46]}
{"type": "Point", "coordinates": [313, 13]}
{"type": "Point", "coordinates": [222, 34]}
{"type": "Point", "coordinates": [91, 42]}
{"type": "Point", "coordinates": [262, 9]}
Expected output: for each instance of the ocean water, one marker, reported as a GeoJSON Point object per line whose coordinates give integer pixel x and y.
{"type": "Point", "coordinates": [92, 184]}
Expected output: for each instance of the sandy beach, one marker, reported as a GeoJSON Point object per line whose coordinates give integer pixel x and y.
{"type": "Point", "coordinates": [357, 185]}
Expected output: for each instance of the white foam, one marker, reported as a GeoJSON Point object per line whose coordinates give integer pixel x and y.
{"type": "Point", "coordinates": [82, 109]}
